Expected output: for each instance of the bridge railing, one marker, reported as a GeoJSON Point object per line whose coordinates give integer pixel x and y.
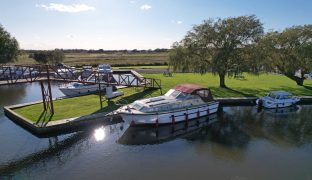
{"type": "Point", "coordinates": [13, 74]}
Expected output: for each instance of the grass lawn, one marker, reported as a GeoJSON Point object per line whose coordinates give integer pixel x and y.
{"type": "Point", "coordinates": [251, 85]}
{"type": "Point", "coordinates": [79, 106]}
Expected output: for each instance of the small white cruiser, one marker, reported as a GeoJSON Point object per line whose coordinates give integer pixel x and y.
{"type": "Point", "coordinates": [277, 99]}
{"type": "Point", "coordinates": [185, 102]}
{"type": "Point", "coordinates": [76, 88]}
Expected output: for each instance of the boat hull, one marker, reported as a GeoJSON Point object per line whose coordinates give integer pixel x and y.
{"type": "Point", "coordinates": [270, 104]}
{"type": "Point", "coordinates": [169, 117]}
{"type": "Point", "coordinates": [81, 90]}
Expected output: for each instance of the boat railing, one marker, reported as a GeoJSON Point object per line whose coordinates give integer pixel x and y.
{"type": "Point", "coordinates": [185, 115]}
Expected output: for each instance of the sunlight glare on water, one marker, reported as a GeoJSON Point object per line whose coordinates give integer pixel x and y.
{"type": "Point", "coordinates": [99, 134]}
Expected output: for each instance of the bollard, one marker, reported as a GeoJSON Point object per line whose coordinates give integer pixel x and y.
{"type": "Point", "coordinates": [172, 119]}
{"type": "Point", "coordinates": [156, 123]}
{"type": "Point", "coordinates": [186, 119]}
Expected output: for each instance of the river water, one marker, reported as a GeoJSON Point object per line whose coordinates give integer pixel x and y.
{"type": "Point", "coordinates": [241, 143]}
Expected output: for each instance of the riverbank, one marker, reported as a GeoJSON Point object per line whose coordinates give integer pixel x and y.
{"type": "Point", "coordinates": [82, 110]}
{"type": "Point", "coordinates": [247, 86]}
{"type": "Point", "coordinates": [250, 86]}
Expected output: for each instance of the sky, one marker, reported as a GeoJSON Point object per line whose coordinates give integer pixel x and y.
{"type": "Point", "coordinates": [133, 24]}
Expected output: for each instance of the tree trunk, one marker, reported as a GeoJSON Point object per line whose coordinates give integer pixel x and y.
{"type": "Point", "coordinates": [222, 80]}
{"type": "Point", "coordinates": [297, 79]}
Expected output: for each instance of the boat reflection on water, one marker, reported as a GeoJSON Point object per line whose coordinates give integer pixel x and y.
{"type": "Point", "coordinates": [281, 111]}
{"type": "Point", "coordinates": [160, 134]}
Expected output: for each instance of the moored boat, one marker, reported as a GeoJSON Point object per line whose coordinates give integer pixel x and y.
{"type": "Point", "coordinates": [277, 99]}
{"type": "Point", "coordinates": [185, 102]}
{"type": "Point", "coordinates": [74, 89]}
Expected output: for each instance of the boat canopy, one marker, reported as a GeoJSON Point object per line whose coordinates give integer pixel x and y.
{"type": "Point", "coordinates": [188, 88]}
{"type": "Point", "coordinates": [280, 93]}
{"type": "Point", "coordinates": [204, 93]}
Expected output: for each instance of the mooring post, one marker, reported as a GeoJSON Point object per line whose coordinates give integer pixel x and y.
{"type": "Point", "coordinates": [10, 74]}
{"type": "Point", "coordinates": [43, 96]}
{"type": "Point", "coordinates": [100, 94]}
{"type": "Point", "coordinates": [50, 91]}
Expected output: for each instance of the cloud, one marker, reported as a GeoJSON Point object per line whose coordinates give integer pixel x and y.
{"type": "Point", "coordinates": [145, 7]}
{"type": "Point", "coordinates": [70, 36]}
{"type": "Point", "coordinates": [73, 8]}
{"type": "Point", "coordinates": [132, 2]}
{"type": "Point", "coordinates": [177, 22]}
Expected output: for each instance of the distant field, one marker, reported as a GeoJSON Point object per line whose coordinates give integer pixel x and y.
{"type": "Point", "coordinates": [117, 59]}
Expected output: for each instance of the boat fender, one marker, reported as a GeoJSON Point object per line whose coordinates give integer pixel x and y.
{"type": "Point", "coordinates": [186, 116]}
{"type": "Point", "coordinates": [172, 119]}
{"type": "Point", "coordinates": [156, 123]}
{"type": "Point", "coordinates": [132, 123]}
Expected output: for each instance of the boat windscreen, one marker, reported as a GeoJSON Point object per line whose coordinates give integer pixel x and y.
{"type": "Point", "coordinates": [137, 106]}
{"type": "Point", "coordinates": [172, 93]}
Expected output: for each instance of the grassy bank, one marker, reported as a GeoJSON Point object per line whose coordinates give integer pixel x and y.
{"type": "Point", "coordinates": [80, 106]}
{"type": "Point", "coordinates": [249, 86]}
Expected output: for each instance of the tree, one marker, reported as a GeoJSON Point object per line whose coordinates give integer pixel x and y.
{"type": "Point", "coordinates": [52, 57]}
{"type": "Point", "coordinates": [9, 47]}
{"type": "Point", "coordinates": [56, 56]}
{"type": "Point", "coordinates": [41, 57]}
{"type": "Point", "coordinates": [217, 45]}
{"type": "Point", "coordinates": [289, 51]}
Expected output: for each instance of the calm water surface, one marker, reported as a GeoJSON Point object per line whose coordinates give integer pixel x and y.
{"type": "Point", "coordinates": [240, 144]}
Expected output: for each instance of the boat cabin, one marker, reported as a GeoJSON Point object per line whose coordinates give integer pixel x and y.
{"type": "Point", "coordinates": [183, 96]}
{"type": "Point", "coordinates": [203, 93]}
{"type": "Point", "coordinates": [280, 95]}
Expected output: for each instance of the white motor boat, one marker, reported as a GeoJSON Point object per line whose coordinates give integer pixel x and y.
{"type": "Point", "coordinates": [74, 89]}
{"type": "Point", "coordinates": [104, 68]}
{"type": "Point", "coordinates": [277, 99]}
{"type": "Point", "coordinates": [185, 102]}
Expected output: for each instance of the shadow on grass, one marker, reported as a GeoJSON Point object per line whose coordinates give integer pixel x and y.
{"type": "Point", "coordinates": [44, 118]}
{"type": "Point", "coordinates": [250, 92]}
{"type": "Point", "coordinates": [115, 104]}
{"type": "Point", "coordinates": [243, 93]}
{"type": "Point", "coordinates": [307, 87]}
{"type": "Point", "coordinates": [237, 92]}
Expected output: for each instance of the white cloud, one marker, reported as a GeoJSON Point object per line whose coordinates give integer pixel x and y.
{"type": "Point", "coordinates": [73, 8]}
{"type": "Point", "coordinates": [70, 36]}
{"type": "Point", "coordinates": [145, 7]}
{"type": "Point", "coordinates": [177, 22]}
{"type": "Point", "coordinates": [132, 2]}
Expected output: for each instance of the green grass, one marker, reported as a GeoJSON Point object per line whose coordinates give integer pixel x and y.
{"type": "Point", "coordinates": [250, 86]}
{"type": "Point", "coordinates": [80, 106]}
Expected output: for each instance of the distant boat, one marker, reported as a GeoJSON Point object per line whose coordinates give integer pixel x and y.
{"type": "Point", "coordinates": [186, 101]}
{"type": "Point", "coordinates": [104, 68]}
{"type": "Point", "coordinates": [277, 99]}
{"type": "Point", "coordinates": [74, 89]}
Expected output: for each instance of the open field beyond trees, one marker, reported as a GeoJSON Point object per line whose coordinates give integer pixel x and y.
{"type": "Point", "coordinates": [250, 85]}
{"type": "Point", "coordinates": [114, 59]}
